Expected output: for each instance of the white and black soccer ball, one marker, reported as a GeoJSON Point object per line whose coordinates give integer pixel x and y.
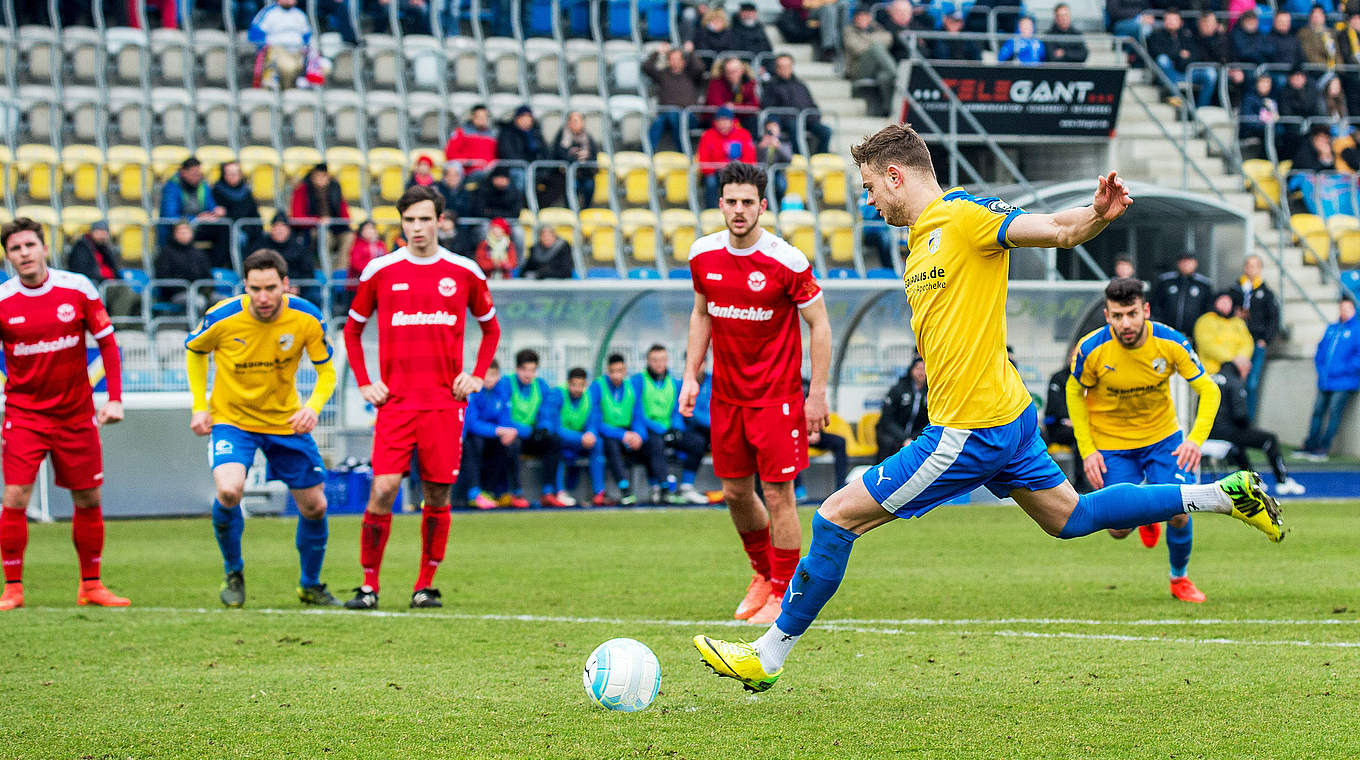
{"type": "Point", "coordinates": [623, 675]}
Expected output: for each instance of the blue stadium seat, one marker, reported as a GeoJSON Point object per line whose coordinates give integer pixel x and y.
{"type": "Point", "coordinates": [643, 274]}
{"type": "Point", "coordinates": [841, 273]}
{"type": "Point", "coordinates": [136, 279]}
{"type": "Point", "coordinates": [679, 273]}
{"type": "Point", "coordinates": [881, 274]}
{"type": "Point", "coordinates": [226, 281]}
{"type": "Point", "coordinates": [539, 19]}
{"type": "Point", "coordinates": [1351, 279]}
{"type": "Point", "coordinates": [602, 273]}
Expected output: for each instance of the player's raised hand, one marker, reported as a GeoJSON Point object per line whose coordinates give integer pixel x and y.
{"type": "Point", "coordinates": [303, 420]}
{"type": "Point", "coordinates": [374, 393]}
{"type": "Point", "coordinates": [111, 413]}
{"type": "Point", "coordinates": [201, 423]}
{"type": "Point", "coordinates": [465, 385]}
{"type": "Point", "coordinates": [689, 394]}
{"type": "Point", "coordinates": [817, 413]}
{"type": "Point", "coordinates": [1094, 465]}
{"type": "Point", "coordinates": [1187, 455]}
{"type": "Point", "coordinates": [1112, 198]}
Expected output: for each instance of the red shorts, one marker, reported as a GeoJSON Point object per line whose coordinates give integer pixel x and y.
{"type": "Point", "coordinates": [768, 440]}
{"type": "Point", "coordinates": [77, 459]}
{"type": "Point", "coordinates": [435, 434]}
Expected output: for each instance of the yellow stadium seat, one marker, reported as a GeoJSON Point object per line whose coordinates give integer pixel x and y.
{"type": "Point", "coordinates": [633, 170]}
{"type": "Point", "coordinates": [76, 220]}
{"type": "Point", "coordinates": [1344, 231]}
{"type": "Point", "coordinates": [865, 435]}
{"type": "Point", "coordinates": [710, 221]}
{"type": "Point", "coordinates": [47, 217]}
{"type": "Point", "coordinates": [1311, 232]}
{"type": "Point", "coordinates": [40, 166]}
{"type": "Point", "coordinates": [213, 157]}
{"type": "Point", "coordinates": [357, 216]}
{"type": "Point", "coordinates": [527, 220]}
{"type": "Point", "coordinates": [799, 228]}
{"type": "Point", "coordinates": [1260, 178]}
{"type": "Point", "coordinates": [678, 227]}
{"type": "Point", "coordinates": [388, 166]}
{"type": "Point", "coordinates": [797, 177]}
{"type": "Point", "coordinates": [7, 166]}
{"type": "Point", "coordinates": [84, 166]}
{"type": "Point", "coordinates": [130, 167]}
{"type": "Point", "coordinates": [262, 165]}
{"type": "Point", "coordinates": [349, 168]}
{"type": "Point", "coordinates": [605, 166]}
{"type": "Point", "coordinates": [639, 227]}
{"type": "Point", "coordinates": [388, 220]}
{"type": "Point", "coordinates": [298, 160]}
{"type": "Point", "coordinates": [165, 160]}
{"type": "Point", "coordinates": [838, 229]}
{"type": "Point", "coordinates": [672, 172]}
{"type": "Point", "coordinates": [838, 426]}
{"type": "Point", "coordinates": [131, 227]}
{"type": "Point", "coordinates": [768, 220]}
{"type": "Point", "coordinates": [599, 226]}
{"type": "Point", "coordinates": [828, 171]}
{"type": "Point", "coordinates": [560, 219]}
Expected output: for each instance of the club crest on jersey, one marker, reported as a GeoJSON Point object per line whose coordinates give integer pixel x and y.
{"type": "Point", "coordinates": [933, 242]}
{"type": "Point", "coordinates": [222, 447]}
{"type": "Point", "coordinates": [1159, 365]}
{"type": "Point", "coordinates": [447, 287]}
{"type": "Point", "coordinates": [285, 341]}
{"type": "Point", "coordinates": [999, 206]}
{"type": "Point", "coordinates": [756, 281]}
{"type": "Point", "coordinates": [66, 312]}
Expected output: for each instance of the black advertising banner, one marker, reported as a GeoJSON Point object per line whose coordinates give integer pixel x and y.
{"type": "Point", "coordinates": [1053, 101]}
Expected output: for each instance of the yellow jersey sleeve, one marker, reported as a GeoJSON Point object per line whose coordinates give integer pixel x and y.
{"type": "Point", "coordinates": [204, 338]}
{"type": "Point", "coordinates": [982, 221]}
{"type": "Point", "coordinates": [1187, 361]}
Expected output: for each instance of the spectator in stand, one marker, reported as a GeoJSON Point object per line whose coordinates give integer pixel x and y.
{"type": "Point", "coordinates": [732, 83]}
{"type": "Point", "coordinates": [574, 144]}
{"type": "Point", "coordinates": [1233, 424]}
{"type": "Point", "coordinates": [1211, 42]}
{"type": "Point", "coordinates": [450, 185]}
{"type": "Point", "coordinates": [714, 33]}
{"type": "Point", "coordinates": [300, 257]}
{"type": "Point", "coordinates": [1263, 321]}
{"type": "Point", "coordinates": [1174, 48]}
{"type": "Point", "coordinates": [1284, 44]}
{"type": "Point", "coordinates": [900, 18]}
{"type": "Point", "coordinates": [521, 139]}
{"type": "Point", "coordinates": [1065, 52]}
{"type": "Point", "coordinates": [423, 173]}
{"type": "Point", "coordinates": [1348, 38]}
{"type": "Point", "coordinates": [368, 245]}
{"type": "Point", "coordinates": [95, 256]}
{"type": "Point", "coordinates": [725, 141]}
{"type": "Point", "coordinates": [784, 90]}
{"type": "Point", "coordinates": [748, 34]}
{"type": "Point", "coordinates": [318, 205]}
{"type": "Point", "coordinates": [1123, 268]}
{"type": "Point", "coordinates": [1128, 18]}
{"type": "Point", "coordinates": [811, 21]}
{"type": "Point", "coordinates": [1315, 155]}
{"type": "Point", "coordinates": [1023, 48]}
{"type": "Point", "coordinates": [187, 196]}
{"type": "Point", "coordinates": [487, 437]}
{"type": "Point", "coordinates": [491, 194]}
{"type": "Point", "coordinates": [957, 49]}
{"type": "Point", "coordinates": [1317, 42]}
{"type": "Point", "coordinates": [1222, 337]}
{"type": "Point", "coordinates": [233, 194]}
{"type": "Point", "coordinates": [1249, 44]}
{"type": "Point", "coordinates": [496, 253]}
{"type": "Point", "coordinates": [1347, 155]}
{"type": "Point", "coordinates": [774, 148]}
{"type": "Point", "coordinates": [1334, 105]}
{"type": "Point", "coordinates": [180, 259]}
{"type": "Point", "coordinates": [1258, 116]}
{"type": "Point", "coordinates": [282, 32]}
{"type": "Point", "coordinates": [549, 258]}
{"type": "Point", "coordinates": [1181, 296]}
{"type": "Point", "coordinates": [534, 415]}
{"type": "Point", "coordinates": [867, 57]}
{"type": "Point", "coordinates": [1338, 377]}
{"type": "Point", "coordinates": [903, 415]}
{"type": "Point", "coordinates": [474, 143]}
{"type": "Point", "coordinates": [678, 74]}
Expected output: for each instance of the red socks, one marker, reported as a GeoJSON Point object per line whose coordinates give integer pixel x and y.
{"type": "Point", "coordinates": [372, 542]}
{"type": "Point", "coordinates": [757, 545]}
{"type": "Point", "coordinates": [434, 537]}
{"type": "Point", "coordinates": [782, 564]}
{"type": "Point", "coordinates": [13, 542]}
{"type": "Point", "coordinates": [87, 533]}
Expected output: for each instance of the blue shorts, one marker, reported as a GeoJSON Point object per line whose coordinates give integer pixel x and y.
{"type": "Point", "coordinates": [1155, 463]}
{"type": "Point", "coordinates": [292, 458]}
{"type": "Point", "coordinates": [945, 462]}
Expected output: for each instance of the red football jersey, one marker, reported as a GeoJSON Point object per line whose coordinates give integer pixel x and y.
{"type": "Point", "coordinates": [753, 300]}
{"type": "Point", "coordinates": [420, 303]}
{"type": "Point", "coordinates": [43, 330]}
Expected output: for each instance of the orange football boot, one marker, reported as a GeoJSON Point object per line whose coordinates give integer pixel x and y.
{"type": "Point", "coordinates": [13, 596]}
{"type": "Point", "coordinates": [1149, 534]}
{"type": "Point", "coordinates": [769, 613]}
{"type": "Point", "coordinates": [756, 595]}
{"type": "Point", "coordinates": [93, 592]}
{"type": "Point", "coordinates": [1184, 590]}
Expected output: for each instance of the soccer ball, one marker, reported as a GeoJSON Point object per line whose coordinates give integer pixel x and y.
{"type": "Point", "coordinates": [622, 674]}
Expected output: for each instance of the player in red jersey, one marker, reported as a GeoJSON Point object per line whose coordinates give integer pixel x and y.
{"type": "Point", "coordinates": [421, 294]}
{"type": "Point", "coordinates": [750, 287]}
{"type": "Point", "coordinates": [49, 408]}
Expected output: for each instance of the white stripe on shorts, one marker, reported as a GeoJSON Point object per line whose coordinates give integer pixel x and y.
{"type": "Point", "coordinates": [945, 453]}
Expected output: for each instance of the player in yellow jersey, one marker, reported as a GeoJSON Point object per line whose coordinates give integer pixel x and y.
{"type": "Point", "coordinates": [983, 429]}
{"type": "Point", "coordinates": [257, 341]}
{"type": "Point", "coordinates": [1119, 399]}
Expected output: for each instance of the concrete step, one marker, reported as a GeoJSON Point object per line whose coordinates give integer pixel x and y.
{"type": "Point", "coordinates": [1133, 146]}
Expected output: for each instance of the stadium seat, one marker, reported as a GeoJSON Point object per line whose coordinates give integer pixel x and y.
{"type": "Point", "coordinates": [1345, 234]}
{"type": "Point", "coordinates": [83, 166]}
{"type": "Point", "coordinates": [544, 60]}
{"type": "Point", "coordinates": [127, 47]}
{"type": "Point", "coordinates": [710, 221]}
{"type": "Point", "coordinates": [504, 58]}
{"type": "Point", "coordinates": [1311, 232]}
{"type": "Point", "coordinates": [679, 273]}
{"type": "Point", "coordinates": [216, 110]}
{"type": "Point", "coordinates": [424, 61]}
{"type": "Point", "coordinates": [131, 227]}
{"type": "Point", "coordinates": [583, 61]}
{"type": "Point", "coordinates": [628, 119]}
{"type": "Point", "coordinates": [166, 159]}
{"type": "Point", "coordinates": [864, 434]}
{"type": "Point", "coordinates": [388, 167]}
{"type": "Point", "coordinates": [799, 228]}
{"type": "Point", "coordinates": [345, 116]}
{"type": "Point", "coordinates": [130, 115]}
{"type": "Point", "coordinates": [39, 170]}
{"type": "Point", "coordinates": [796, 175]}
{"type": "Point", "coordinates": [8, 173]}
{"type": "Point", "coordinates": [47, 217]}
{"type": "Point", "coordinates": [838, 230]}
{"type": "Point", "coordinates": [879, 273]}
{"type": "Point", "coordinates": [383, 62]}
{"type": "Point", "coordinates": [41, 53]}
{"type": "Point", "coordinates": [211, 49]}
{"type": "Point", "coordinates": [633, 170]}
{"type": "Point", "coordinates": [672, 171]}
{"type": "Point", "coordinates": [423, 112]}
{"type": "Point", "coordinates": [349, 168]}
{"type": "Point", "coordinates": [260, 117]}
{"type": "Point", "coordinates": [385, 123]}
{"type": "Point", "coordinates": [174, 58]}
{"type": "Point", "coordinates": [82, 47]}
{"type": "Point", "coordinates": [82, 107]}
{"type": "Point", "coordinates": [1263, 182]}
{"type": "Point", "coordinates": [677, 227]}
{"type": "Point", "coordinates": [298, 160]}
{"type": "Point", "coordinates": [262, 164]}
{"type": "Point", "coordinates": [76, 221]}
{"type": "Point", "coordinates": [213, 157]}
{"type": "Point", "coordinates": [837, 425]}
{"type": "Point", "coordinates": [306, 116]}
{"type": "Point", "coordinates": [135, 278]}
{"type": "Point", "coordinates": [828, 171]}
{"type": "Point", "coordinates": [140, 372]}
{"type": "Point", "coordinates": [129, 166]}
{"type": "Point", "coordinates": [841, 273]}
{"type": "Point", "coordinates": [600, 228]}
{"type": "Point", "coordinates": [562, 220]}
{"type": "Point", "coordinates": [604, 184]}
{"type": "Point", "coordinates": [640, 229]}
{"type": "Point", "coordinates": [388, 220]}
{"type": "Point", "coordinates": [601, 273]}
{"type": "Point", "coordinates": [638, 273]}
{"type": "Point", "coordinates": [43, 112]}
{"type": "Point", "coordinates": [465, 58]}
{"type": "Point", "coordinates": [227, 281]}
{"type": "Point", "coordinates": [175, 115]}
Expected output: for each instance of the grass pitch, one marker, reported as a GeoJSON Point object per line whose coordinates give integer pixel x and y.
{"type": "Point", "coordinates": [968, 633]}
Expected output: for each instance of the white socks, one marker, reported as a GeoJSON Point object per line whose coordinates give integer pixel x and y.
{"type": "Point", "coordinates": [1205, 498]}
{"type": "Point", "coordinates": [773, 648]}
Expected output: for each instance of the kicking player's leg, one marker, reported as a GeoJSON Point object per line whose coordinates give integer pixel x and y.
{"type": "Point", "coordinates": [1122, 466]}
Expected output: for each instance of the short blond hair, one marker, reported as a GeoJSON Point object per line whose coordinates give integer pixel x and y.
{"type": "Point", "coordinates": [894, 144]}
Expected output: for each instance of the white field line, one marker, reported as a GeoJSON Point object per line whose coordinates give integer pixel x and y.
{"type": "Point", "coordinates": [877, 627]}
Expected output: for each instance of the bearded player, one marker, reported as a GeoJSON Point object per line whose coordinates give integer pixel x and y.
{"type": "Point", "coordinates": [49, 407]}
{"type": "Point", "coordinates": [420, 294]}
{"type": "Point", "coordinates": [983, 427]}
{"type": "Point", "coordinates": [1119, 399]}
{"type": "Point", "coordinates": [750, 288]}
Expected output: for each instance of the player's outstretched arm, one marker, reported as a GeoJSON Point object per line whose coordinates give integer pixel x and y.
{"type": "Point", "coordinates": [1074, 226]}
{"type": "Point", "coordinates": [700, 331]}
